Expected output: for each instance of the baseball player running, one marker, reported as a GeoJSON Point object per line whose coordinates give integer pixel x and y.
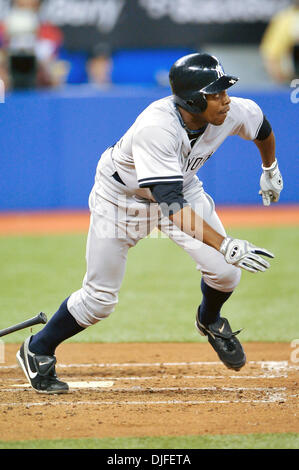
{"type": "Point", "coordinates": [147, 180]}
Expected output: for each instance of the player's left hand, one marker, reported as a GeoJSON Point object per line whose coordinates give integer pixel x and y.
{"type": "Point", "coordinates": [271, 184]}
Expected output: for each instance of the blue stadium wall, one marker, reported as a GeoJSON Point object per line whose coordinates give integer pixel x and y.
{"type": "Point", "coordinates": [51, 143]}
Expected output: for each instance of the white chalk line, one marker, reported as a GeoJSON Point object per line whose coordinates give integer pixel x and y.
{"type": "Point", "coordinates": [184, 377]}
{"type": "Point", "coordinates": [264, 364]}
{"type": "Point", "coordinates": [168, 376]}
{"type": "Point", "coordinates": [167, 389]}
{"type": "Point", "coordinates": [272, 399]}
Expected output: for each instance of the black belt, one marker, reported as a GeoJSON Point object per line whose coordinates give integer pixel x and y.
{"type": "Point", "coordinates": [118, 178]}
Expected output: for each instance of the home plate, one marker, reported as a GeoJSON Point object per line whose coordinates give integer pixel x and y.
{"type": "Point", "coordinates": [91, 384]}
{"type": "Point", "coordinates": [95, 384]}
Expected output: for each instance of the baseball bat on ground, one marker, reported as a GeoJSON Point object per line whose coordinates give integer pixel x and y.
{"type": "Point", "coordinates": [40, 318]}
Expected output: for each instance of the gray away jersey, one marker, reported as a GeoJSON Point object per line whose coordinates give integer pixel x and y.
{"type": "Point", "coordinates": [156, 148]}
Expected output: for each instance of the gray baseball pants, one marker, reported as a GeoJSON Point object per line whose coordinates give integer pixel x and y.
{"type": "Point", "coordinates": [118, 221]}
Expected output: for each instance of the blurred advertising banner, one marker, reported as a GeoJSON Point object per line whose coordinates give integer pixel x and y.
{"type": "Point", "coordinates": [155, 23]}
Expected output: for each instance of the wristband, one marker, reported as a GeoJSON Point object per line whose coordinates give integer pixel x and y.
{"type": "Point", "coordinates": [271, 170]}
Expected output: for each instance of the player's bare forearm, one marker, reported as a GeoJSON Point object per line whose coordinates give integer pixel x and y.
{"type": "Point", "coordinates": [191, 223]}
{"type": "Point", "coordinates": [267, 150]}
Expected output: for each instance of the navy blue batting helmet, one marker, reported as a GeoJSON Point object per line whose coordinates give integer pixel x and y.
{"type": "Point", "coordinates": [196, 75]}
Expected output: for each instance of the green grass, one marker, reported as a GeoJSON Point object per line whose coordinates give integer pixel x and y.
{"type": "Point", "coordinates": [160, 292]}
{"type": "Point", "coordinates": [248, 441]}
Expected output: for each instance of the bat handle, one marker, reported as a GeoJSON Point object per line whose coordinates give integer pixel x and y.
{"type": "Point", "coordinates": [40, 318]}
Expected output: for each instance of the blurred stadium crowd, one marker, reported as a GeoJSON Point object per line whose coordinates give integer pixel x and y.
{"type": "Point", "coordinates": [50, 43]}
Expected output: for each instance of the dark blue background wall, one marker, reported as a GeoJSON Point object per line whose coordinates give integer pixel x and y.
{"type": "Point", "coordinates": [50, 143]}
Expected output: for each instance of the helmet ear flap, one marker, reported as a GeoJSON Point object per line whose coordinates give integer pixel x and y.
{"type": "Point", "coordinates": [199, 104]}
{"type": "Point", "coordinates": [196, 106]}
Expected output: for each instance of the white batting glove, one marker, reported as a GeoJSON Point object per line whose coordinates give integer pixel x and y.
{"type": "Point", "coordinates": [271, 184]}
{"type": "Point", "coordinates": [244, 255]}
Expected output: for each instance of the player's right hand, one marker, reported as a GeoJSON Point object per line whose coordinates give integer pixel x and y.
{"type": "Point", "coordinates": [243, 254]}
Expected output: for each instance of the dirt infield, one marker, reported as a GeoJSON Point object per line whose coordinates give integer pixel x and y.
{"type": "Point", "coordinates": [161, 389]}
{"type": "Point", "coordinates": [76, 222]}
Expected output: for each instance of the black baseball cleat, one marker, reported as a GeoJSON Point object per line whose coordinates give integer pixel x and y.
{"type": "Point", "coordinates": [40, 371]}
{"type": "Point", "coordinates": [224, 342]}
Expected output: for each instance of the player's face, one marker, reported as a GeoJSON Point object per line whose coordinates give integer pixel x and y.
{"type": "Point", "coordinates": [27, 4]}
{"type": "Point", "coordinates": [217, 109]}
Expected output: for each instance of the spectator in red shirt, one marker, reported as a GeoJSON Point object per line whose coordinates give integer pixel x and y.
{"type": "Point", "coordinates": [29, 49]}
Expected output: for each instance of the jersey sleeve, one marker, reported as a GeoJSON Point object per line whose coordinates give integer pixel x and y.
{"type": "Point", "coordinates": [248, 118]}
{"type": "Point", "coordinates": [155, 157]}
